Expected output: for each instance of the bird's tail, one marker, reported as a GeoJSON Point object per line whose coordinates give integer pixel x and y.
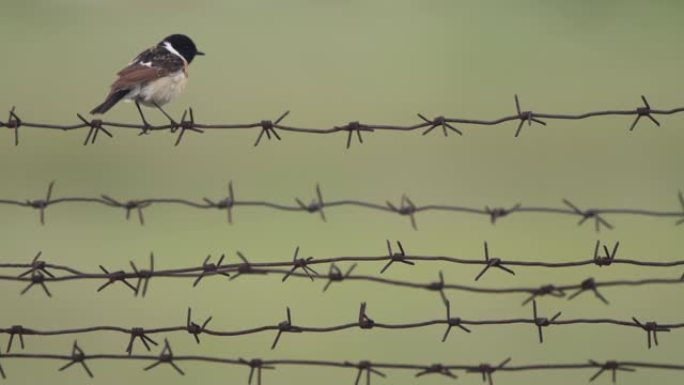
{"type": "Point", "coordinates": [111, 100]}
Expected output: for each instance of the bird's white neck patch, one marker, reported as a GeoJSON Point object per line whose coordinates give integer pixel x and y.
{"type": "Point", "coordinates": [170, 48]}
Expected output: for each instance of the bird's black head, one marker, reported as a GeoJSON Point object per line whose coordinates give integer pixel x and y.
{"type": "Point", "coordinates": [183, 45]}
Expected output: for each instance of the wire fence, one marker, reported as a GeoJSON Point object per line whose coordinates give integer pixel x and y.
{"type": "Point", "coordinates": [363, 321]}
{"type": "Point", "coordinates": [40, 273]}
{"type": "Point", "coordinates": [405, 207]}
{"type": "Point", "coordinates": [270, 129]}
{"type": "Point", "coordinates": [362, 369]}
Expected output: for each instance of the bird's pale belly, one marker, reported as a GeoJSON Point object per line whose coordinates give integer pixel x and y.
{"type": "Point", "coordinates": [160, 91]}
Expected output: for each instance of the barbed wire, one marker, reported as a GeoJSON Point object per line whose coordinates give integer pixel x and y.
{"type": "Point", "coordinates": [406, 207]}
{"type": "Point", "coordinates": [363, 322]}
{"type": "Point", "coordinates": [362, 368]}
{"type": "Point", "coordinates": [270, 129]}
{"type": "Point", "coordinates": [40, 273]}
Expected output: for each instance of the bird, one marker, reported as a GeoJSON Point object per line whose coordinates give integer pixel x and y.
{"type": "Point", "coordinates": [154, 77]}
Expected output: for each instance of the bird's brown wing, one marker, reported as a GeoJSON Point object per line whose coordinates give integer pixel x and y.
{"type": "Point", "coordinates": [149, 65]}
{"type": "Point", "coordinates": [135, 74]}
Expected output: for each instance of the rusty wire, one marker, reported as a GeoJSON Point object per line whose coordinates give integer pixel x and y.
{"type": "Point", "coordinates": [362, 321]}
{"type": "Point", "coordinates": [40, 273]}
{"type": "Point", "coordinates": [405, 208]}
{"type": "Point", "coordinates": [270, 128]}
{"type": "Point", "coordinates": [361, 369]}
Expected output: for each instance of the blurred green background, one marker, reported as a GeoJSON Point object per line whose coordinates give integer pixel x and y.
{"type": "Point", "coordinates": [331, 62]}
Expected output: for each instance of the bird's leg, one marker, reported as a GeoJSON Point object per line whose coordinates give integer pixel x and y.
{"type": "Point", "coordinates": [146, 126]}
{"type": "Point", "coordinates": [174, 125]}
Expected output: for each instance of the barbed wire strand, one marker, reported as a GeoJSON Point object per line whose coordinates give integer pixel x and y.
{"type": "Point", "coordinates": [39, 273]}
{"type": "Point", "coordinates": [406, 207]}
{"type": "Point", "coordinates": [363, 322]}
{"type": "Point", "coordinates": [361, 368]}
{"type": "Point", "coordinates": [270, 129]}
{"type": "Point", "coordinates": [597, 259]}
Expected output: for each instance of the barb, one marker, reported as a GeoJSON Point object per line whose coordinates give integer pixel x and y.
{"type": "Point", "coordinates": [39, 204]}
{"type": "Point", "coordinates": [78, 357]}
{"type": "Point", "coordinates": [396, 257]}
{"type": "Point", "coordinates": [588, 214]}
{"type": "Point", "coordinates": [16, 330]}
{"type": "Point", "coordinates": [367, 367]}
{"type": "Point", "coordinates": [95, 127]}
{"type": "Point", "coordinates": [644, 111]}
{"type": "Point", "coordinates": [302, 264]}
{"type": "Point", "coordinates": [138, 332]}
{"type": "Point", "coordinates": [284, 327]}
{"type": "Point", "coordinates": [452, 321]}
{"type": "Point", "coordinates": [352, 127]}
{"type": "Point", "coordinates": [500, 212]}
{"type": "Point", "coordinates": [542, 322]}
{"type": "Point", "coordinates": [335, 275]}
{"type": "Point", "coordinates": [143, 276]}
{"type": "Point", "coordinates": [439, 286]}
{"type": "Point", "coordinates": [210, 269]}
{"type": "Point", "coordinates": [36, 278]}
{"type": "Point", "coordinates": [545, 290]}
{"type": "Point", "coordinates": [39, 272]}
{"type": "Point", "coordinates": [437, 369]}
{"type": "Point", "coordinates": [492, 262]}
{"type": "Point", "coordinates": [609, 256]}
{"type": "Point", "coordinates": [406, 207]}
{"type": "Point", "coordinates": [195, 329]}
{"type": "Point", "coordinates": [363, 321]}
{"type": "Point", "coordinates": [487, 370]}
{"type": "Point", "coordinates": [246, 267]}
{"type": "Point", "coordinates": [270, 128]}
{"type": "Point", "coordinates": [589, 284]}
{"type": "Point", "coordinates": [651, 328]}
{"type": "Point", "coordinates": [117, 276]}
{"type": "Point", "coordinates": [13, 123]}
{"type": "Point", "coordinates": [128, 206]}
{"type": "Point", "coordinates": [612, 366]}
{"type": "Point", "coordinates": [316, 205]}
{"type": "Point", "coordinates": [165, 357]}
{"type": "Point", "coordinates": [226, 203]}
{"type": "Point", "coordinates": [187, 125]}
{"type": "Point", "coordinates": [525, 116]}
{"type": "Point", "coordinates": [255, 365]}
{"type": "Point", "coordinates": [439, 121]}
{"type": "Point", "coordinates": [37, 266]}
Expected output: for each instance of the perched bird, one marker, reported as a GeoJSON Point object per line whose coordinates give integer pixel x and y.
{"type": "Point", "coordinates": [155, 77]}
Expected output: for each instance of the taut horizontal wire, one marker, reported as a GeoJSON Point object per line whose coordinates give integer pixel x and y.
{"type": "Point", "coordinates": [596, 259]}
{"type": "Point", "coordinates": [365, 369]}
{"type": "Point", "coordinates": [363, 321]}
{"type": "Point", "coordinates": [40, 273]}
{"type": "Point", "coordinates": [405, 207]}
{"type": "Point", "coordinates": [269, 128]}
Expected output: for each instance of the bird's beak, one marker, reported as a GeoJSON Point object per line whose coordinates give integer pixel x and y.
{"type": "Point", "coordinates": [200, 53]}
